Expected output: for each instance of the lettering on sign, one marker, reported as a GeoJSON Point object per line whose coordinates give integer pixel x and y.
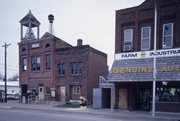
{"type": "Point", "coordinates": [148, 54]}
{"type": "Point", "coordinates": [122, 70]}
{"type": "Point", "coordinates": [129, 55]}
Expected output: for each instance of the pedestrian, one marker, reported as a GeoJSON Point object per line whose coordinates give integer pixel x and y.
{"type": "Point", "coordinates": [83, 102]}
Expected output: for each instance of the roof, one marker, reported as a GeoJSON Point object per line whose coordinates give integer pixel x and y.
{"type": "Point", "coordinates": [76, 48]}
{"type": "Point", "coordinates": [29, 18]}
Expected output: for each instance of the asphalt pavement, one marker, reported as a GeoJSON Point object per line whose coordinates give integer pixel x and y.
{"type": "Point", "coordinates": [111, 112]}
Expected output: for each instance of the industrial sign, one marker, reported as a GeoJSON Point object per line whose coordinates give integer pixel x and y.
{"type": "Point", "coordinates": [148, 54]}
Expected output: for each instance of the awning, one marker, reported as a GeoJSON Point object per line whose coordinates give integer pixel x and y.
{"type": "Point", "coordinates": [135, 70]}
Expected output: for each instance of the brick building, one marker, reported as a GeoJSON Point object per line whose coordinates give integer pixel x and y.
{"type": "Point", "coordinates": [91, 64]}
{"type": "Point", "coordinates": [132, 69]}
{"type": "Point", "coordinates": [55, 69]}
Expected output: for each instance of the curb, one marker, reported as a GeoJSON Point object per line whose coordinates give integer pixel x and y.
{"type": "Point", "coordinates": [159, 115]}
{"type": "Point", "coordinates": [103, 113]}
{"type": "Point", "coordinates": [6, 107]}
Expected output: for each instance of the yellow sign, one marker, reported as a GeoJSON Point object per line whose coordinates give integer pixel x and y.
{"type": "Point", "coordinates": [122, 70]}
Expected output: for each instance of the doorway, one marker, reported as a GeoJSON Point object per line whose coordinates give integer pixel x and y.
{"type": "Point", "coordinates": [122, 104]}
{"type": "Point", "coordinates": [143, 99]}
{"type": "Point", "coordinates": [63, 93]}
{"type": "Point", "coordinates": [106, 97]}
{"type": "Point", "coordinates": [23, 89]}
{"type": "Point", "coordinates": [41, 93]}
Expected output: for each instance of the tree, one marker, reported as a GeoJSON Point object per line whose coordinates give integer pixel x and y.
{"type": "Point", "coordinates": [1, 77]}
{"type": "Point", "coordinates": [13, 78]}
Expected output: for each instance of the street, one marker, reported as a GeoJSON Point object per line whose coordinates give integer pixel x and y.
{"type": "Point", "coordinates": [45, 115]}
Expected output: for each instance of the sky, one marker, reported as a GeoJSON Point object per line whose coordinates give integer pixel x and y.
{"type": "Point", "coordinates": [93, 21]}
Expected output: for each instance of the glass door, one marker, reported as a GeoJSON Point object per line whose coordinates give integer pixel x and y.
{"type": "Point", "coordinates": [143, 99]}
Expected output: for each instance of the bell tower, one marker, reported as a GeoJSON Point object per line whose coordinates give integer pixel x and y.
{"type": "Point", "coordinates": [31, 26]}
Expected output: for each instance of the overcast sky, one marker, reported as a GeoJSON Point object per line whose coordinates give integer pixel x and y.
{"type": "Point", "coordinates": [93, 21]}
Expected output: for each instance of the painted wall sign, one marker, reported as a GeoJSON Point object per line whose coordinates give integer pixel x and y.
{"type": "Point", "coordinates": [148, 54]}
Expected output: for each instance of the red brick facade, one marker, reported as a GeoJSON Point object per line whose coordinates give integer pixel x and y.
{"type": "Point", "coordinates": [135, 26]}
{"type": "Point", "coordinates": [34, 77]}
{"type": "Point", "coordinates": [94, 64]}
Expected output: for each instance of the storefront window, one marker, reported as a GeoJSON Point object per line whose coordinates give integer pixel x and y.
{"type": "Point", "coordinates": [168, 94]}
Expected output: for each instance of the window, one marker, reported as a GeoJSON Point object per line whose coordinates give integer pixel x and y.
{"type": "Point", "coordinates": [76, 68]}
{"type": "Point", "coordinates": [168, 94]}
{"type": "Point", "coordinates": [128, 39]}
{"type": "Point", "coordinates": [24, 64]}
{"type": "Point", "coordinates": [47, 45]}
{"type": "Point", "coordinates": [167, 35]}
{"type": "Point", "coordinates": [76, 89]}
{"type": "Point", "coordinates": [145, 38]}
{"type": "Point", "coordinates": [61, 70]}
{"type": "Point", "coordinates": [48, 61]}
{"type": "Point", "coordinates": [35, 63]}
{"type": "Point", "coordinates": [23, 49]}
{"type": "Point", "coordinates": [48, 91]}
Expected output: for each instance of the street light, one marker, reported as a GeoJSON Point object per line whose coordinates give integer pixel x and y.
{"type": "Point", "coordinates": [155, 70]}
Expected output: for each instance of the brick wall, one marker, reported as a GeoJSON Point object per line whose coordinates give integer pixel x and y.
{"type": "Point", "coordinates": [143, 15]}
{"type": "Point", "coordinates": [94, 65]}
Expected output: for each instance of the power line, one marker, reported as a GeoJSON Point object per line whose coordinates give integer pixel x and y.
{"type": "Point", "coordinates": [9, 66]}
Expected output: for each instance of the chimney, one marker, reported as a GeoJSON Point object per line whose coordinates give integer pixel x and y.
{"type": "Point", "coordinates": [79, 42]}
{"type": "Point", "coordinates": [51, 28]}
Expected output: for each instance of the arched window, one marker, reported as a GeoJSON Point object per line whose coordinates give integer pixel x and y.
{"type": "Point", "coordinates": [47, 45]}
{"type": "Point", "coordinates": [23, 49]}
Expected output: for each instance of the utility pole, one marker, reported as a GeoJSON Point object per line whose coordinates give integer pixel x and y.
{"type": "Point", "coordinates": [5, 69]}
{"type": "Point", "coordinates": [155, 70]}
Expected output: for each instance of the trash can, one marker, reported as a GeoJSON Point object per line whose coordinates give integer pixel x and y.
{"type": "Point", "coordinates": [24, 100]}
{"type": "Point", "coordinates": [2, 96]}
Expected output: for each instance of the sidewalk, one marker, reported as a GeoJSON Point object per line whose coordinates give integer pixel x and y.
{"type": "Point", "coordinates": [131, 114]}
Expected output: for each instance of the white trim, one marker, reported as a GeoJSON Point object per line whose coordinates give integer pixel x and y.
{"type": "Point", "coordinates": [149, 38]}
{"type": "Point", "coordinates": [35, 45]}
{"type": "Point", "coordinates": [172, 25]}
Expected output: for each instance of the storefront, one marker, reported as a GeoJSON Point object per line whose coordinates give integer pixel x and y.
{"type": "Point", "coordinates": [132, 74]}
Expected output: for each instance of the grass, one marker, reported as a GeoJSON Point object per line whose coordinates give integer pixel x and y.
{"type": "Point", "coordinates": [69, 106]}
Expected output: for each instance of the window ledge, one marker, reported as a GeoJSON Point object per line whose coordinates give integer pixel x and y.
{"type": "Point", "coordinates": [47, 70]}
{"type": "Point", "coordinates": [35, 71]}
{"type": "Point", "coordinates": [76, 75]}
{"type": "Point", "coordinates": [61, 75]}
